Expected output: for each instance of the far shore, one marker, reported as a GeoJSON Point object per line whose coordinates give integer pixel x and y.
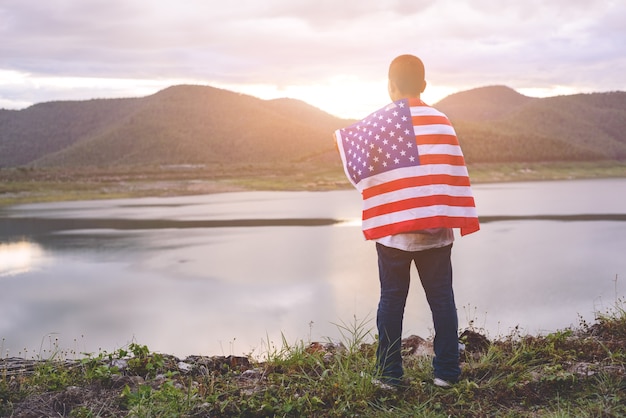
{"type": "Point", "coordinates": [35, 185]}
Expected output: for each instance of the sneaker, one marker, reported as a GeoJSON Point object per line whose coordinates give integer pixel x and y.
{"type": "Point", "coordinates": [441, 383]}
{"type": "Point", "coordinates": [384, 386]}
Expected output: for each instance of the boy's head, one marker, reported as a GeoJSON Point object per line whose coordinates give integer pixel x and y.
{"type": "Point", "coordinates": [406, 77]}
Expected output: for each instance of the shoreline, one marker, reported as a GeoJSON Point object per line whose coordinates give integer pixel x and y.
{"type": "Point", "coordinates": [29, 185]}
{"type": "Point", "coordinates": [516, 375]}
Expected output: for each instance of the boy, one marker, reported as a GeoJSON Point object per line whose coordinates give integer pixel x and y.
{"type": "Point", "coordinates": [406, 162]}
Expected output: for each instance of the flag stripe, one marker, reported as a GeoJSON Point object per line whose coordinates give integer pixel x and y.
{"type": "Point", "coordinates": [433, 130]}
{"type": "Point", "coordinates": [408, 193]}
{"type": "Point", "coordinates": [426, 149]}
{"type": "Point", "coordinates": [432, 212]}
{"type": "Point", "coordinates": [415, 171]}
{"type": "Point", "coordinates": [411, 182]}
{"type": "Point", "coordinates": [437, 139]}
{"type": "Point", "coordinates": [466, 226]}
{"type": "Point", "coordinates": [442, 159]}
{"type": "Point", "coordinates": [422, 201]}
{"type": "Point", "coordinates": [432, 119]}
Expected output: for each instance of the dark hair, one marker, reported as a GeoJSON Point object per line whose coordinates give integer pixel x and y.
{"type": "Point", "coordinates": [407, 73]}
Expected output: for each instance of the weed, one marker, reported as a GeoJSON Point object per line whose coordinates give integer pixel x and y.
{"type": "Point", "coordinates": [571, 372]}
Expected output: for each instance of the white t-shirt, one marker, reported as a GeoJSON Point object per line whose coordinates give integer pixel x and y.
{"type": "Point", "coordinates": [419, 240]}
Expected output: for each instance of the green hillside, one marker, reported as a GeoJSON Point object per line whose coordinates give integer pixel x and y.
{"type": "Point", "coordinates": [497, 124]}
{"type": "Point", "coordinates": [205, 125]}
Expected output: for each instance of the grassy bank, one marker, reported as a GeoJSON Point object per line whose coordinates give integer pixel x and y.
{"type": "Point", "coordinates": [577, 372]}
{"type": "Point", "coordinates": [25, 185]}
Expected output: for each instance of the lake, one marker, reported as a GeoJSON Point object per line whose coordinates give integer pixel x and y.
{"type": "Point", "coordinates": [233, 273]}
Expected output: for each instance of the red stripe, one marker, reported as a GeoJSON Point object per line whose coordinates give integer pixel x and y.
{"type": "Point", "coordinates": [436, 139]}
{"type": "Point", "coordinates": [442, 159]}
{"type": "Point", "coordinates": [467, 226]}
{"type": "Point", "coordinates": [418, 202]}
{"type": "Point", "coordinates": [430, 120]}
{"type": "Point", "coordinates": [403, 183]}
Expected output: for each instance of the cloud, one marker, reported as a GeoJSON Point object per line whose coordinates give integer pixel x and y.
{"type": "Point", "coordinates": [294, 44]}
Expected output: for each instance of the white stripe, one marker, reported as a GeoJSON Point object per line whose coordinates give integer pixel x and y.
{"type": "Point", "coordinates": [439, 149]}
{"type": "Point", "coordinates": [415, 171]}
{"type": "Point", "coordinates": [425, 111]}
{"type": "Point", "coordinates": [419, 191]}
{"type": "Point", "coordinates": [433, 130]}
{"type": "Point", "coordinates": [419, 213]}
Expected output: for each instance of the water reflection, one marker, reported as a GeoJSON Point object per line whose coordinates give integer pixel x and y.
{"type": "Point", "coordinates": [19, 257]}
{"type": "Point", "coordinates": [193, 275]}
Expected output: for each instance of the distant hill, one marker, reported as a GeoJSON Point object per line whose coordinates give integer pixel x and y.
{"type": "Point", "coordinates": [483, 104]}
{"type": "Point", "coordinates": [202, 125]}
{"type": "Point", "coordinates": [178, 125]}
{"type": "Point", "coordinates": [497, 124]}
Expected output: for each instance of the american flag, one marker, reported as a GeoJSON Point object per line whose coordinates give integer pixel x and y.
{"type": "Point", "coordinates": [406, 161]}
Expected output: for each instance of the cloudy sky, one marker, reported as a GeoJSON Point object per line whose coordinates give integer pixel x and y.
{"type": "Point", "coordinates": [332, 54]}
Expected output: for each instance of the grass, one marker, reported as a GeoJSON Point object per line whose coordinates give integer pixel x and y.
{"type": "Point", "coordinates": [28, 185]}
{"type": "Point", "coordinates": [577, 372]}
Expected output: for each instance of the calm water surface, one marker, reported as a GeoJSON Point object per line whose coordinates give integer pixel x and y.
{"type": "Point", "coordinates": [164, 272]}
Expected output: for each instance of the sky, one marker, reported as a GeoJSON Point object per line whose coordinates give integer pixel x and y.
{"type": "Point", "coordinates": [331, 54]}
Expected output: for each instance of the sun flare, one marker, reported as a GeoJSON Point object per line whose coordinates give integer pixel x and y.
{"type": "Point", "coordinates": [18, 257]}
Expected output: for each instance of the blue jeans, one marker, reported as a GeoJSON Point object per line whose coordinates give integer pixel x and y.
{"type": "Point", "coordinates": [435, 271]}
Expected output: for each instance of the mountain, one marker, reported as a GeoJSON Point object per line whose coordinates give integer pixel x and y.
{"type": "Point", "coordinates": [483, 104]}
{"type": "Point", "coordinates": [205, 125]}
{"type": "Point", "coordinates": [178, 125]}
{"type": "Point", "coordinates": [497, 124]}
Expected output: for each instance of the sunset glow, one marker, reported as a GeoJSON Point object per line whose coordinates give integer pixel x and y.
{"type": "Point", "coordinates": [18, 257]}
{"type": "Point", "coordinates": [331, 55]}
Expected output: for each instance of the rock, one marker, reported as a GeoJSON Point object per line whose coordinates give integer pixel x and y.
{"type": "Point", "coordinates": [474, 342]}
{"type": "Point", "coordinates": [417, 346]}
{"type": "Point", "coordinates": [184, 367]}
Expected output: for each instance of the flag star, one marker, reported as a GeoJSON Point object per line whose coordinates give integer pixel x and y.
{"type": "Point", "coordinates": [400, 138]}
{"type": "Point", "coordinates": [392, 134]}
{"type": "Point", "coordinates": [385, 142]}
{"type": "Point", "coordinates": [395, 113]}
{"type": "Point", "coordinates": [409, 145]}
{"type": "Point", "coordinates": [384, 163]}
{"type": "Point", "coordinates": [380, 150]}
{"type": "Point", "coordinates": [403, 153]}
{"type": "Point", "coordinates": [412, 158]}
{"type": "Point", "coordinates": [388, 155]}
{"type": "Point", "coordinates": [375, 159]}
{"type": "Point", "coordinates": [388, 120]}
{"type": "Point", "coordinates": [401, 104]}
{"type": "Point", "coordinates": [394, 147]}
{"type": "Point", "coordinates": [371, 168]}
{"type": "Point", "coordinates": [398, 126]}
{"type": "Point", "coordinates": [404, 118]}
{"type": "Point", "coordinates": [383, 129]}
{"type": "Point", "coordinates": [396, 161]}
